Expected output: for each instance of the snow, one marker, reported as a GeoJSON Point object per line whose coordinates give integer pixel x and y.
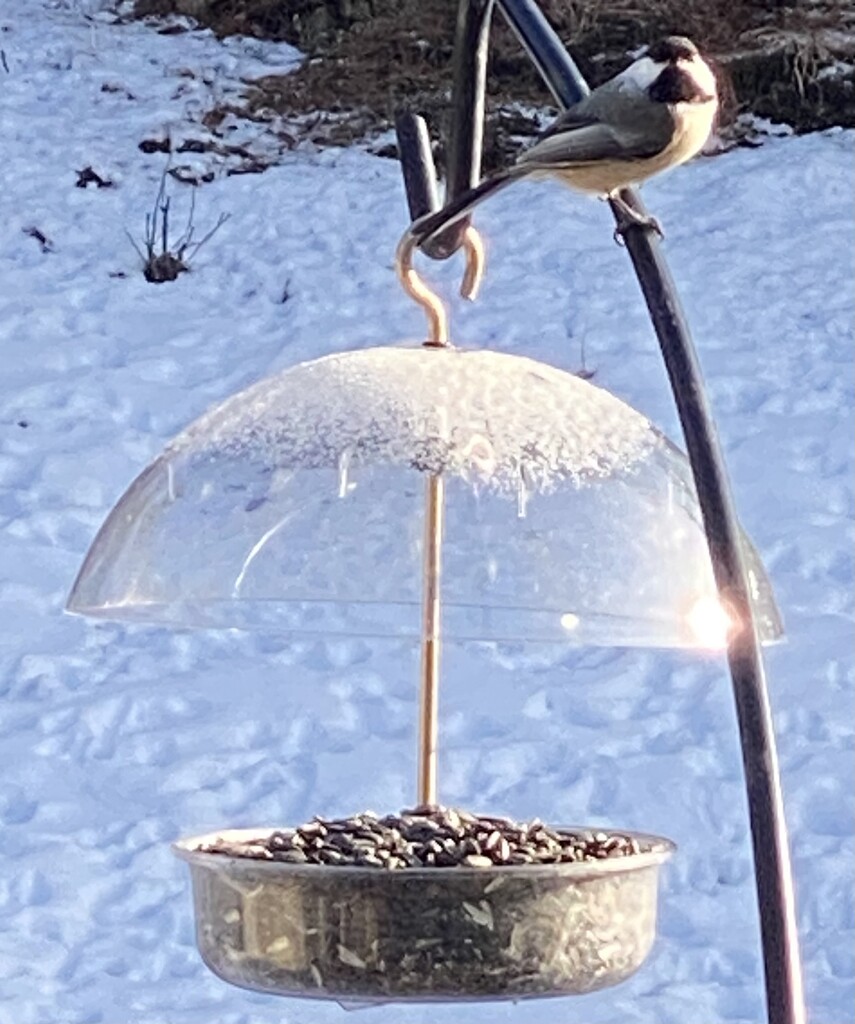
{"type": "Point", "coordinates": [116, 739]}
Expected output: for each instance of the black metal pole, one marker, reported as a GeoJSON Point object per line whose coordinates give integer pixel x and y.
{"type": "Point", "coordinates": [469, 64]}
{"type": "Point", "coordinates": [772, 869]}
{"type": "Point", "coordinates": [417, 164]}
{"type": "Point", "coordinates": [546, 51]}
{"type": "Point", "coordinates": [773, 873]}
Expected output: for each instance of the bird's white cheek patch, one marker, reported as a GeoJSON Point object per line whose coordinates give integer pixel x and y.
{"type": "Point", "coordinates": [642, 73]}
{"type": "Point", "coordinates": [701, 73]}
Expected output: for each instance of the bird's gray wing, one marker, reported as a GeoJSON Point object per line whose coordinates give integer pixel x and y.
{"type": "Point", "coordinates": [579, 115]}
{"type": "Point", "coordinates": [607, 125]}
{"type": "Point", "coordinates": [578, 145]}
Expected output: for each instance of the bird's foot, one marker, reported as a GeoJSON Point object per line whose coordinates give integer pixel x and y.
{"type": "Point", "coordinates": [628, 218]}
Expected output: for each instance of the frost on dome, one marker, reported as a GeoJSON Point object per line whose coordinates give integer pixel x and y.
{"type": "Point", "coordinates": [485, 416]}
{"type": "Point", "coordinates": [296, 506]}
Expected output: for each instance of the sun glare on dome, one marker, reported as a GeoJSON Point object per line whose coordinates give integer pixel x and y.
{"type": "Point", "coordinates": [709, 623]}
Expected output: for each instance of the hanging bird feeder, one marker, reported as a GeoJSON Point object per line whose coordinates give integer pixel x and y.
{"type": "Point", "coordinates": [424, 492]}
{"type": "Point", "coordinates": [442, 494]}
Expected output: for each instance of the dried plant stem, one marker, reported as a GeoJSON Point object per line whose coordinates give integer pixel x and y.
{"type": "Point", "coordinates": [173, 258]}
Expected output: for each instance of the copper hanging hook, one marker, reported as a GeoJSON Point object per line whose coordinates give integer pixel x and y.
{"type": "Point", "coordinates": [430, 302]}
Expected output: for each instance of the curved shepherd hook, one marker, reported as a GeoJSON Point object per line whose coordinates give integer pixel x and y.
{"type": "Point", "coordinates": [773, 873]}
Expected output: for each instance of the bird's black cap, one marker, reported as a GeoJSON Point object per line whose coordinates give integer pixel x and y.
{"type": "Point", "coordinates": [672, 48]}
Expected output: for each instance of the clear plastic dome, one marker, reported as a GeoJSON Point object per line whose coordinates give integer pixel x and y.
{"type": "Point", "coordinates": [298, 505]}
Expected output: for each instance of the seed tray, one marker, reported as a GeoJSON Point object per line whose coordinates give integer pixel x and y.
{"type": "Point", "coordinates": [469, 931]}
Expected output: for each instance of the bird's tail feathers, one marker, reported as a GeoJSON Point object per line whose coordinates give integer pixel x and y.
{"type": "Point", "coordinates": [429, 226]}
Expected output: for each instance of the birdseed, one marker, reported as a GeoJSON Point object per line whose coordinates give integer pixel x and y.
{"type": "Point", "coordinates": [429, 837]}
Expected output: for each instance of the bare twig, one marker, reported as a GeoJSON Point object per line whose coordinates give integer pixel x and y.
{"type": "Point", "coordinates": [164, 225]}
{"type": "Point", "coordinates": [194, 249]}
{"type": "Point", "coordinates": [163, 260]}
{"type": "Point", "coordinates": [137, 249]}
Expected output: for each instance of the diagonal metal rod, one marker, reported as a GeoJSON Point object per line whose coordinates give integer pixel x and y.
{"type": "Point", "coordinates": [546, 51]}
{"type": "Point", "coordinates": [772, 869]}
{"type": "Point", "coordinates": [469, 69]}
{"type": "Point", "coordinates": [773, 872]}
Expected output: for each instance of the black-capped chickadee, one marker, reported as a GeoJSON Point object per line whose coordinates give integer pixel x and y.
{"type": "Point", "coordinates": [656, 114]}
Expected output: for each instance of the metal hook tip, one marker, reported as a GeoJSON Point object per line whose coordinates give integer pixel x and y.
{"type": "Point", "coordinates": [473, 246]}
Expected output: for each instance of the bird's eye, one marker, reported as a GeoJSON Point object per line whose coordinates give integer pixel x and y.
{"type": "Point", "coordinates": [672, 49]}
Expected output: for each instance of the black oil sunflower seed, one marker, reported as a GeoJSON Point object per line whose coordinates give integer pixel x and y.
{"type": "Point", "coordinates": [432, 837]}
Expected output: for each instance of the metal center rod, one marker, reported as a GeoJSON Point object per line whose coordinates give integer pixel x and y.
{"type": "Point", "coordinates": [423, 196]}
{"type": "Point", "coordinates": [431, 623]}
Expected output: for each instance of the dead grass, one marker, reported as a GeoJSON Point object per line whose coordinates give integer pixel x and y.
{"type": "Point", "coordinates": [370, 57]}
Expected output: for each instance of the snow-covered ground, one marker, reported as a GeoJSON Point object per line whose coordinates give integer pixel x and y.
{"type": "Point", "coordinates": [115, 740]}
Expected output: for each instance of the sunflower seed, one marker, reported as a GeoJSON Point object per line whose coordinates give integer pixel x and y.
{"type": "Point", "coordinates": [433, 837]}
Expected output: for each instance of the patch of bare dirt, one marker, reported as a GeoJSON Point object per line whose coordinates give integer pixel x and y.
{"type": "Point", "coordinates": [788, 62]}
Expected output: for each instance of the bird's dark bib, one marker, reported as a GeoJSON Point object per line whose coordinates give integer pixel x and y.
{"type": "Point", "coordinates": [674, 85]}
